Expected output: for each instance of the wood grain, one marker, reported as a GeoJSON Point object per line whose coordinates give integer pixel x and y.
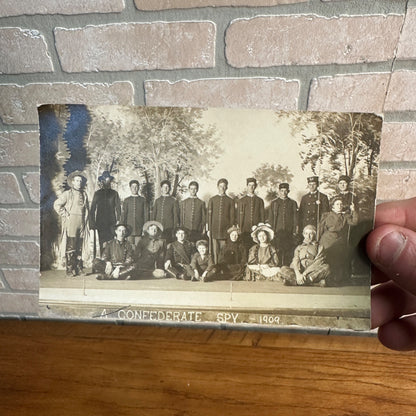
{"type": "Point", "coordinates": [56, 368]}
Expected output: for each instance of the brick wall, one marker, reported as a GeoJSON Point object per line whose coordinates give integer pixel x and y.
{"type": "Point", "coordinates": [279, 54]}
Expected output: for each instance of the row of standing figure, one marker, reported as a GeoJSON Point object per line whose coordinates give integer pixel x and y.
{"type": "Point", "coordinates": [199, 222]}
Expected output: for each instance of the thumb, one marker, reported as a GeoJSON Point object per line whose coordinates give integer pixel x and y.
{"type": "Point", "coordinates": [393, 250]}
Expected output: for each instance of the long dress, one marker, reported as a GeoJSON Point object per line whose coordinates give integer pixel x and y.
{"type": "Point", "coordinates": [149, 256]}
{"type": "Point", "coordinates": [232, 261]}
{"type": "Point", "coordinates": [333, 230]}
{"type": "Point", "coordinates": [262, 263]}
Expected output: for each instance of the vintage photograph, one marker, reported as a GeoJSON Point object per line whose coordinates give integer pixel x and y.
{"type": "Point", "coordinates": [214, 216]}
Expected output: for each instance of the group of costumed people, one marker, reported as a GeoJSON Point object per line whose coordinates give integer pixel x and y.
{"type": "Point", "coordinates": [231, 240]}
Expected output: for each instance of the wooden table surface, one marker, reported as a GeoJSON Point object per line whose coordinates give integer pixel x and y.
{"type": "Point", "coordinates": [57, 368]}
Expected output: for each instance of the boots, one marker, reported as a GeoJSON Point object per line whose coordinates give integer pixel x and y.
{"type": "Point", "coordinates": [80, 266]}
{"type": "Point", "coordinates": [71, 263]}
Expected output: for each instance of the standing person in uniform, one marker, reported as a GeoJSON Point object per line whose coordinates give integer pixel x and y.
{"type": "Point", "coordinates": [250, 212]}
{"type": "Point", "coordinates": [193, 214]}
{"type": "Point", "coordinates": [312, 205]}
{"type": "Point", "coordinates": [105, 209]}
{"type": "Point", "coordinates": [221, 216]}
{"type": "Point", "coordinates": [72, 206]}
{"type": "Point", "coordinates": [135, 212]}
{"type": "Point", "coordinates": [166, 211]}
{"type": "Point", "coordinates": [348, 197]}
{"type": "Point", "coordinates": [283, 217]}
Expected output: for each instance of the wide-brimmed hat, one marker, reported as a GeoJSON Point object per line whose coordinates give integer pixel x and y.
{"type": "Point", "coordinates": [234, 228]}
{"type": "Point", "coordinates": [73, 175]}
{"type": "Point", "coordinates": [148, 224]}
{"type": "Point", "coordinates": [106, 174]}
{"type": "Point", "coordinates": [127, 227]}
{"type": "Point", "coordinates": [261, 227]}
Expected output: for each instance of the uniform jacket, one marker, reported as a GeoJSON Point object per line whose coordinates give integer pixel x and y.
{"type": "Point", "coordinates": [193, 214]}
{"type": "Point", "coordinates": [283, 215]}
{"type": "Point", "coordinates": [221, 216]}
{"type": "Point", "coordinates": [250, 211]}
{"type": "Point", "coordinates": [118, 253]}
{"type": "Point", "coordinates": [105, 212]}
{"type": "Point", "coordinates": [135, 213]}
{"type": "Point", "coordinates": [64, 206]}
{"type": "Point", "coordinates": [311, 209]}
{"type": "Point", "coordinates": [166, 211]}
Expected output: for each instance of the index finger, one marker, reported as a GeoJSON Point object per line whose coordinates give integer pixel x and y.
{"type": "Point", "coordinates": [400, 213]}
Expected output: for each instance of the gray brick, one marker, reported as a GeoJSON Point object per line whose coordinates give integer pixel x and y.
{"type": "Point", "coordinates": [356, 92]}
{"type": "Point", "coordinates": [270, 93]}
{"type": "Point", "coordinates": [19, 102]}
{"type": "Point", "coordinates": [19, 148]}
{"type": "Point", "coordinates": [23, 51]}
{"type": "Point", "coordinates": [32, 182]}
{"type": "Point", "coordinates": [137, 46]}
{"type": "Point", "coordinates": [187, 4]}
{"type": "Point", "coordinates": [19, 222]}
{"type": "Point", "coordinates": [19, 253]}
{"type": "Point", "coordinates": [9, 189]}
{"type": "Point", "coordinates": [22, 279]}
{"type": "Point", "coordinates": [29, 7]}
{"type": "Point", "coordinates": [309, 40]}
{"type": "Point", "coordinates": [20, 303]}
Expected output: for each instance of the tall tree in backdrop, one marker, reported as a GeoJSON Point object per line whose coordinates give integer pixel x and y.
{"type": "Point", "coordinates": [334, 144]}
{"type": "Point", "coordinates": [269, 176]}
{"type": "Point", "coordinates": [157, 143]}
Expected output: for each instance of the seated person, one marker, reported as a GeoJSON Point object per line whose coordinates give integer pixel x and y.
{"type": "Point", "coordinates": [179, 255]}
{"type": "Point", "coordinates": [150, 252]}
{"type": "Point", "coordinates": [117, 258]}
{"type": "Point", "coordinates": [233, 256]}
{"type": "Point", "coordinates": [308, 266]}
{"type": "Point", "coordinates": [262, 257]}
{"type": "Point", "coordinates": [202, 264]}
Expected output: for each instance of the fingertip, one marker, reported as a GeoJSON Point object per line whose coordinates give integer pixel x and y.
{"type": "Point", "coordinates": [399, 335]}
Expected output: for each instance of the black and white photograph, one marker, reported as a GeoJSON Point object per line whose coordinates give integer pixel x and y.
{"type": "Point", "coordinates": [221, 217]}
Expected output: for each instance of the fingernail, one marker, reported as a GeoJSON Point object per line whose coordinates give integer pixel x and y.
{"type": "Point", "coordinates": [390, 247]}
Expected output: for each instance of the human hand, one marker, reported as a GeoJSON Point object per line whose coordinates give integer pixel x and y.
{"type": "Point", "coordinates": [391, 246]}
{"type": "Point", "coordinates": [108, 267]}
{"type": "Point", "coordinates": [116, 272]}
{"type": "Point", "coordinates": [299, 279]}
